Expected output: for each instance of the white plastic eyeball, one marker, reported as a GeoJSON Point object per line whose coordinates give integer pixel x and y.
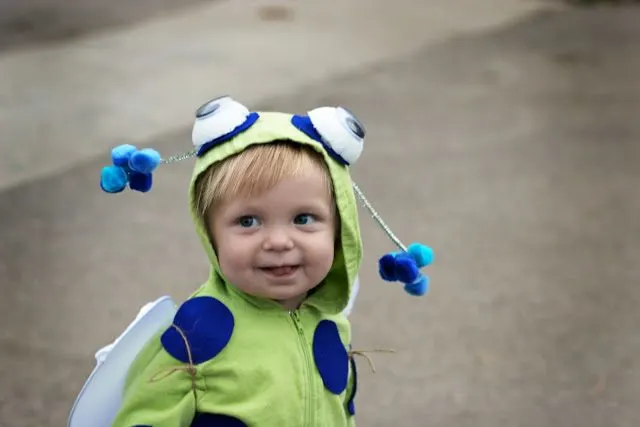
{"type": "Point", "coordinates": [341, 130]}
{"type": "Point", "coordinates": [217, 118]}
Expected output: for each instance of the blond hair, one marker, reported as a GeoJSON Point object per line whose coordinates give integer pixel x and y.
{"type": "Point", "coordinates": [255, 170]}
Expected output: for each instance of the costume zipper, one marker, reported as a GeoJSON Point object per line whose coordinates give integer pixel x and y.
{"type": "Point", "coordinates": [308, 368]}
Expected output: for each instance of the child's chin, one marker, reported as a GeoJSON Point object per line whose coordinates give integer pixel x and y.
{"type": "Point", "coordinates": [285, 294]}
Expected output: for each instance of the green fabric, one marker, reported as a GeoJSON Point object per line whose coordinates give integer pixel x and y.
{"type": "Point", "coordinates": [266, 376]}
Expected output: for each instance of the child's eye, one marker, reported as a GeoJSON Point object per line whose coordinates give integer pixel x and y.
{"type": "Point", "coordinates": [304, 219]}
{"type": "Point", "coordinates": [248, 221]}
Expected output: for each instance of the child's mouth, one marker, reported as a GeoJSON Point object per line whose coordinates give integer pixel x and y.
{"type": "Point", "coordinates": [281, 271]}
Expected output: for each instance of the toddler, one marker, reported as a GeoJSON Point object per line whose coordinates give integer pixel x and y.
{"type": "Point", "coordinates": [265, 341]}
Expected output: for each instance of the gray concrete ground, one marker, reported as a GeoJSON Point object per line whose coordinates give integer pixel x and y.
{"type": "Point", "coordinates": [513, 152]}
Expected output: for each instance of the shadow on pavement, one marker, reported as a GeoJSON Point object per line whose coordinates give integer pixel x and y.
{"type": "Point", "coordinates": [27, 22]}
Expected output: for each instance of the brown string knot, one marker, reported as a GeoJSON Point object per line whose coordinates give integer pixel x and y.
{"type": "Point", "coordinates": [363, 353]}
{"type": "Point", "coordinates": [189, 368]}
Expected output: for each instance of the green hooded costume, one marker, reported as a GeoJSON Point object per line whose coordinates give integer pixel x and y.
{"type": "Point", "coordinates": [231, 359]}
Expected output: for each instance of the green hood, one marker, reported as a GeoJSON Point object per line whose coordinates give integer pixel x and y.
{"type": "Point", "coordinates": [333, 294]}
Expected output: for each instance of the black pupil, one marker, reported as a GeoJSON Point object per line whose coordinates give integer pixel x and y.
{"type": "Point", "coordinates": [355, 127]}
{"type": "Point", "coordinates": [207, 109]}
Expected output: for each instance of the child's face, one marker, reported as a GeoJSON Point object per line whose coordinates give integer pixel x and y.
{"type": "Point", "coordinates": [280, 244]}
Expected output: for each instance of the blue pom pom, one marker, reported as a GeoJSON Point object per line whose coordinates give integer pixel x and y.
{"type": "Point", "coordinates": [419, 287]}
{"type": "Point", "coordinates": [423, 255]}
{"type": "Point", "coordinates": [387, 268]}
{"type": "Point", "coordinates": [121, 154]}
{"type": "Point", "coordinates": [406, 268]}
{"type": "Point", "coordinates": [130, 166]}
{"type": "Point", "coordinates": [144, 161]}
{"type": "Point", "coordinates": [113, 179]}
{"type": "Point", "coordinates": [140, 182]}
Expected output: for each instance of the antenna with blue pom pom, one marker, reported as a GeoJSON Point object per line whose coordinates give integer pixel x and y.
{"type": "Point", "coordinates": [403, 266]}
{"type": "Point", "coordinates": [134, 168]}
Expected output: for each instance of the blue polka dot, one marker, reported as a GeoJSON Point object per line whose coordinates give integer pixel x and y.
{"type": "Point", "coordinates": [216, 420]}
{"type": "Point", "coordinates": [351, 406]}
{"type": "Point", "coordinates": [331, 357]}
{"type": "Point", "coordinates": [207, 325]}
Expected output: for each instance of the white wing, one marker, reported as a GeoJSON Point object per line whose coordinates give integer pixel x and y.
{"type": "Point", "coordinates": [100, 399]}
{"type": "Point", "coordinates": [352, 296]}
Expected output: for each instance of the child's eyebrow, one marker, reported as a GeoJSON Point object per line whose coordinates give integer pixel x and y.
{"type": "Point", "coordinates": [313, 207]}
{"type": "Point", "coordinates": [247, 208]}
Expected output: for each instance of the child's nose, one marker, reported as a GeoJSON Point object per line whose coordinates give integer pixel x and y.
{"type": "Point", "coordinates": [277, 239]}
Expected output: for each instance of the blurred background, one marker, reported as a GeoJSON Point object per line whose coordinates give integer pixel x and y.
{"type": "Point", "coordinates": [503, 133]}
